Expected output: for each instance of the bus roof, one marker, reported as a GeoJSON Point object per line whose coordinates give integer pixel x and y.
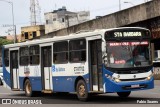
{"type": "Point", "coordinates": [80, 34]}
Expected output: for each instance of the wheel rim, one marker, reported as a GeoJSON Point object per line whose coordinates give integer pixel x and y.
{"type": "Point", "coordinates": [81, 90]}
{"type": "Point", "coordinates": [28, 88]}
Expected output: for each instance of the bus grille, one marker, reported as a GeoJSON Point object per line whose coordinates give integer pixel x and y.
{"type": "Point", "coordinates": [130, 72]}
{"type": "Point", "coordinates": [137, 79]}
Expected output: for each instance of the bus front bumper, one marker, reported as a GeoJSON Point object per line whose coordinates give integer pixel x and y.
{"type": "Point", "coordinates": [111, 86]}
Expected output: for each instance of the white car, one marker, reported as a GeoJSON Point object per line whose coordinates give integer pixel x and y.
{"type": "Point", "coordinates": [1, 76]}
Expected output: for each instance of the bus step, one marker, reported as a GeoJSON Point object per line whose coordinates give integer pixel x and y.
{"type": "Point", "coordinates": [15, 89]}
{"type": "Point", "coordinates": [47, 91]}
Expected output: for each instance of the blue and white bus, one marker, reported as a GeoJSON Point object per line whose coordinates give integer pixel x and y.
{"type": "Point", "coordinates": [116, 60]}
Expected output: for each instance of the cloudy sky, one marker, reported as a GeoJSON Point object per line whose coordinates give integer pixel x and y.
{"type": "Point", "coordinates": [22, 9]}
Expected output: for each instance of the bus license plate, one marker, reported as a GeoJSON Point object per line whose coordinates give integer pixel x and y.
{"type": "Point", "coordinates": [135, 86]}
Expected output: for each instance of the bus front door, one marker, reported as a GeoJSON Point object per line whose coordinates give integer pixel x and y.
{"type": "Point", "coordinates": [46, 64]}
{"type": "Point", "coordinates": [95, 59]}
{"type": "Point", "coordinates": [14, 70]}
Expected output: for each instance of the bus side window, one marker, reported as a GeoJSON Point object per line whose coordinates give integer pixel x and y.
{"type": "Point", "coordinates": [6, 57]}
{"type": "Point", "coordinates": [24, 56]}
{"type": "Point", "coordinates": [77, 50]}
{"type": "Point", "coordinates": [34, 55]}
{"type": "Point", "coordinates": [60, 52]}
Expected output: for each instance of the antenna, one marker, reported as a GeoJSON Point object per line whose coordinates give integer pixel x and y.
{"type": "Point", "coordinates": [39, 12]}
{"type": "Point", "coordinates": [35, 12]}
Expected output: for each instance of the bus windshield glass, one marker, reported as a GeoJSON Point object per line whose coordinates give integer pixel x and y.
{"type": "Point", "coordinates": [128, 54]}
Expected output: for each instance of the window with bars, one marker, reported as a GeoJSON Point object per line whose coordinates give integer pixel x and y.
{"type": "Point", "coordinates": [24, 56]}
{"type": "Point", "coordinates": [77, 50]}
{"type": "Point", "coordinates": [34, 55]}
{"type": "Point", "coordinates": [60, 52]}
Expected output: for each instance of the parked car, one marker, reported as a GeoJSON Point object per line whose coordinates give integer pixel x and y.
{"type": "Point", "coordinates": [1, 76]}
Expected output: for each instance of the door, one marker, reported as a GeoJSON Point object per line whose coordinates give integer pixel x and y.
{"type": "Point", "coordinates": [14, 69]}
{"type": "Point", "coordinates": [46, 63]}
{"type": "Point", "coordinates": [95, 59]}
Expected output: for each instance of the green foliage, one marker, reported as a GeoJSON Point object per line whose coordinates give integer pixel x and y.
{"type": "Point", "coordinates": [5, 41]}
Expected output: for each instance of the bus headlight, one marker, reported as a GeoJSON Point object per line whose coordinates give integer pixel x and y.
{"type": "Point", "coordinates": [112, 78]}
{"type": "Point", "coordinates": [150, 76]}
{"type": "Point", "coordinates": [117, 80]}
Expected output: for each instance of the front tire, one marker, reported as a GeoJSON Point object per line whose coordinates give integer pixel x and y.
{"type": "Point", "coordinates": [28, 88]}
{"type": "Point", "coordinates": [81, 89]}
{"type": "Point", "coordinates": [124, 94]}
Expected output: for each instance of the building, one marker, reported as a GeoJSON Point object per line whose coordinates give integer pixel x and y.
{"type": "Point", "coordinates": [32, 32]}
{"type": "Point", "coordinates": [83, 16]}
{"type": "Point", "coordinates": [61, 18]}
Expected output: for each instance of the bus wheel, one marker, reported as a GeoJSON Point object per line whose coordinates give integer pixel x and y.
{"type": "Point", "coordinates": [124, 94]}
{"type": "Point", "coordinates": [28, 88]}
{"type": "Point", "coordinates": [81, 89]}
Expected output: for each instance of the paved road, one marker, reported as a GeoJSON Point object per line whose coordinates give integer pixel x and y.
{"type": "Point", "coordinates": [58, 98]}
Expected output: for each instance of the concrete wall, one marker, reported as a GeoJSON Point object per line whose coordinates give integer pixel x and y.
{"type": "Point", "coordinates": [122, 18]}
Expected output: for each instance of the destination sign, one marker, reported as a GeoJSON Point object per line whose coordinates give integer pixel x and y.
{"type": "Point", "coordinates": [128, 43]}
{"type": "Point", "coordinates": [126, 34]}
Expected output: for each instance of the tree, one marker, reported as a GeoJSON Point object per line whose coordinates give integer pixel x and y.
{"type": "Point", "coordinates": [5, 41]}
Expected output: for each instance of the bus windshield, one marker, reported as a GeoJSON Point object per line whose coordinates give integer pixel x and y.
{"type": "Point", "coordinates": [128, 54]}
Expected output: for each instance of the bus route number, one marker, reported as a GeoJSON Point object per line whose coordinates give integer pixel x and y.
{"type": "Point", "coordinates": [118, 34]}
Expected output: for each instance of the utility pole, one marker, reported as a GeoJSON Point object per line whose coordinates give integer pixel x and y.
{"type": "Point", "coordinates": [119, 5]}
{"type": "Point", "coordinates": [67, 18]}
{"type": "Point", "coordinates": [13, 25]}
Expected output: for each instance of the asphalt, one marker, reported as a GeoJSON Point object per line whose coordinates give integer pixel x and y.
{"type": "Point", "coordinates": [138, 97]}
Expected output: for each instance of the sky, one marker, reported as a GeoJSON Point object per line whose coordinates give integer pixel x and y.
{"type": "Point", "coordinates": [22, 10]}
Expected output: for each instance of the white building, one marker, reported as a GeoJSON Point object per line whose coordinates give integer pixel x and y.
{"type": "Point", "coordinates": [62, 18]}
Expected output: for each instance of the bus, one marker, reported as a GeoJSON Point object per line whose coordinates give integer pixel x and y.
{"type": "Point", "coordinates": [116, 60]}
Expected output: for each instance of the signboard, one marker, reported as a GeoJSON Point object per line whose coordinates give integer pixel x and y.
{"type": "Point", "coordinates": [128, 43]}
{"type": "Point", "coordinates": [126, 34]}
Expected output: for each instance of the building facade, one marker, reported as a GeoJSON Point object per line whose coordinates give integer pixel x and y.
{"type": "Point", "coordinates": [61, 18]}
{"type": "Point", "coordinates": [32, 32]}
